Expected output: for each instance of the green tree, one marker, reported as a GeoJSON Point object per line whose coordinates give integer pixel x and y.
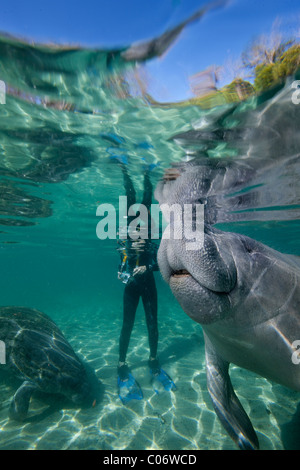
{"type": "Point", "coordinates": [268, 74]}
{"type": "Point", "coordinates": [238, 89]}
{"type": "Point", "coordinates": [288, 63]}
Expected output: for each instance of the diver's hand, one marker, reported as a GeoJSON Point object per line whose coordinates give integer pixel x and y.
{"type": "Point", "coordinates": [139, 270]}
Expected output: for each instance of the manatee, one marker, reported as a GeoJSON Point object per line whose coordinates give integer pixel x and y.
{"type": "Point", "coordinates": [38, 354]}
{"type": "Point", "coordinates": [245, 295]}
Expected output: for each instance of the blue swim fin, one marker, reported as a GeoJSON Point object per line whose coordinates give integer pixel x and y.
{"type": "Point", "coordinates": [144, 145]}
{"type": "Point", "coordinates": [162, 380]}
{"type": "Point", "coordinates": [113, 138]}
{"type": "Point", "coordinates": [129, 389]}
{"type": "Point", "coordinates": [149, 166]}
{"type": "Point", "coordinates": [122, 158]}
{"type": "Point", "coordinates": [152, 166]}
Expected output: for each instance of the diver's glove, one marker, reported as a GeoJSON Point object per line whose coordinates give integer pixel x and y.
{"type": "Point", "coordinates": [138, 271]}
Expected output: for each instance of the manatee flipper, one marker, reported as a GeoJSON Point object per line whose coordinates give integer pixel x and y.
{"type": "Point", "coordinates": [20, 402]}
{"type": "Point", "coordinates": [226, 404]}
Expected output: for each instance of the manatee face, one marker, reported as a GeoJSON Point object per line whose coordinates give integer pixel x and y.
{"type": "Point", "coordinates": [200, 280]}
{"type": "Point", "coordinates": [218, 279]}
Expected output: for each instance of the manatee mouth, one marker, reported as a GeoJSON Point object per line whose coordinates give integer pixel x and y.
{"type": "Point", "coordinates": [180, 273]}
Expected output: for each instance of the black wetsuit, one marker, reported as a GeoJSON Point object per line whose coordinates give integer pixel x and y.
{"type": "Point", "coordinates": [139, 285]}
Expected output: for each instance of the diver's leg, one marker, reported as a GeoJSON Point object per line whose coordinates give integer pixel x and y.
{"type": "Point", "coordinates": [128, 388]}
{"type": "Point", "coordinates": [149, 297]}
{"type": "Point", "coordinates": [160, 379]}
{"type": "Point", "coordinates": [130, 303]}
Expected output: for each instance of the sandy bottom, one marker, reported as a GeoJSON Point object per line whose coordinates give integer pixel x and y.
{"type": "Point", "coordinates": [180, 420]}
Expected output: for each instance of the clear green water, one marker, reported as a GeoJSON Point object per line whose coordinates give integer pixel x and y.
{"type": "Point", "coordinates": [55, 171]}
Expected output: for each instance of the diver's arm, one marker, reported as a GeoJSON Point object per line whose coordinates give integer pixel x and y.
{"type": "Point", "coordinates": [148, 189]}
{"type": "Point", "coordinates": [129, 188]}
{"type": "Point", "coordinates": [142, 269]}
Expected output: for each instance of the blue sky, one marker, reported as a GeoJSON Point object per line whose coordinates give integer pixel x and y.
{"type": "Point", "coordinates": [218, 38]}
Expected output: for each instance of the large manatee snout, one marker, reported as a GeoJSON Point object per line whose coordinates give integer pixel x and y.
{"type": "Point", "coordinates": [201, 280]}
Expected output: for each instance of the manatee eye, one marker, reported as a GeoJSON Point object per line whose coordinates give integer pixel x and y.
{"type": "Point", "coordinates": [201, 200]}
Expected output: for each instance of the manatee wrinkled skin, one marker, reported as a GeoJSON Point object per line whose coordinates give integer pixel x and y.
{"type": "Point", "coordinates": [245, 295]}
{"type": "Point", "coordinates": [38, 354]}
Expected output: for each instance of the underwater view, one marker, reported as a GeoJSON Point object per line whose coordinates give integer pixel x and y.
{"type": "Point", "coordinates": [150, 226]}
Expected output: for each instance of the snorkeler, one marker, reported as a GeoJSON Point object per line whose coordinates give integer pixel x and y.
{"type": "Point", "coordinates": [138, 262]}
